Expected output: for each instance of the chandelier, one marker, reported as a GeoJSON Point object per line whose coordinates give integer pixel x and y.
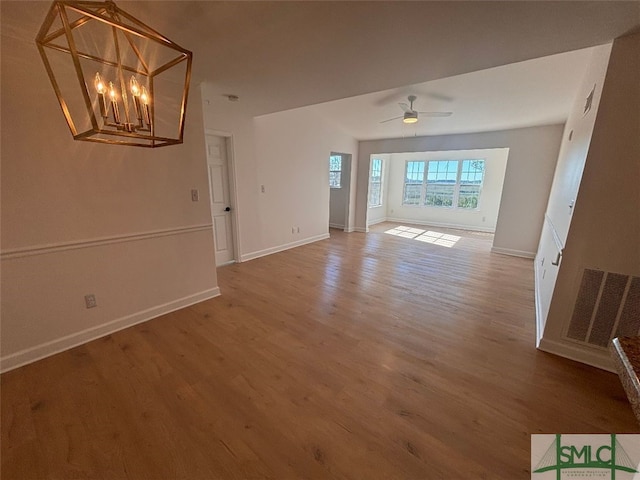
{"type": "Point", "coordinates": [117, 80]}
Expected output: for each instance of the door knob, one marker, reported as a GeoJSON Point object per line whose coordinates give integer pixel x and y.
{"type": "Point", "coordinates": [228, 209]}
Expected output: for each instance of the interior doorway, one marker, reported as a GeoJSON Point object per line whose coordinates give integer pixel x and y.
{"type": "Point", "coordinates": [223, 214]}
{"type": "Point", "coordinates": [339, 190]}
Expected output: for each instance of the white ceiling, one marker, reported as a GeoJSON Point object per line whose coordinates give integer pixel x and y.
{"type": "Point", "coordinates": [285, 54]}
{"type": "Point", "coordinates": [535, 92]}
{"type": "Point", "coordinates": [279, 55]}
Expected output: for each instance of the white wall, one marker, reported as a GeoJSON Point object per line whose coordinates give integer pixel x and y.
{"type": "Point", "coordinates": [573, 152]}
{"type": "Point", "coordinates": [566, 182]}
{"type": "Point", "coordinates": [533, 153]}
{"type": "Point", "coordinates": [81, 218]}
{"type": "Point", "coordinates": [483, 218]}
{"type": "Point", "coordinates": [288, 153]}
{"type": "Point", "coordinates": [293, 149]}
{"type": "Point", "coordinates": [605, 229]}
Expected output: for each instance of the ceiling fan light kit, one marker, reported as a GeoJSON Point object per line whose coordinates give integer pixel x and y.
{"type": "Point", "coordinates": [411, 116]}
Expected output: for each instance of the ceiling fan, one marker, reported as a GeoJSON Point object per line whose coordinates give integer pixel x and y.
{"type": "Point", "coordinates": [411, 115]}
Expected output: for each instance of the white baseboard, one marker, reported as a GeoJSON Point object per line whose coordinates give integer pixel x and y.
{"type": "Point", "coordinates": [361, 230]}
{"type": "Point", "coordinates": [224, 264]}
{"type": "Point", "coordinates": [30, 355]}
{"type": "Point", "coordinates": [595, 358]}
{"type": "Point", "coordinates": [281, 248]}
{"type": "Point", "coordinates": [350, 230]}
{"type": "Point", "coordinates": [375, 222]}
{"type": "Point", "coordinates": [336, 225]}
{"type": "Point", "coordinates": [513, 253]}
{"type": "Point", "coordinates": [440, 224]}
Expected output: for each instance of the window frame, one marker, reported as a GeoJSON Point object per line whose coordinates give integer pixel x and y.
{"type": "Point", "coordinates": [371, 182]}
{"type": "Point", "coordinates": [422, 202]}
{"type": "Point", "coordinates": [405, 183]}
{"type": "Point", "coordinates": [454, 195]}
{"type": "Point", "coordinates": [339, 186]}
{"type": "Point", "coordinates": [460, 185]}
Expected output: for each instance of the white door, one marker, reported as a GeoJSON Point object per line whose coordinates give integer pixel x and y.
{"type": "Point", "coordinates": [220, 199]}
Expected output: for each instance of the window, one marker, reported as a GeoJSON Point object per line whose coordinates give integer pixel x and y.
{"type": "Point", "coordinates": [414, 178]}
{"type": "Point", "coordinates": [441, 183]}
{"type": "Point", "coordinates": [335, 171]}
{"type": "Point", "coordinates": [375, 183]}
{"type": "Point", "coordinates": [447, 183]}
{"type": "Point", "coordinates": [471, 180]}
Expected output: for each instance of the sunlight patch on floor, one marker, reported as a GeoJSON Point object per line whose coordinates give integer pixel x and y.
{"type": "Point", "coordinates": [427, 236]}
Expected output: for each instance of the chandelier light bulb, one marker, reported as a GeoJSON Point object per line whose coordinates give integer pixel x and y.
{"type": "Point", "coordinates": [145, 97]}
{"type": "Point", "coordinates": [99, 84]}
{"type": "Point", "coordinates": [112, 92]}
{"type": "Point", "coordinates": [114, 104]}
{"type": "Point", "coordinates": [134, 87]}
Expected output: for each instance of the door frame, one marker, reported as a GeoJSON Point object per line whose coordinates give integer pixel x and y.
{"type": "Point", "coordinates": [233, 190]}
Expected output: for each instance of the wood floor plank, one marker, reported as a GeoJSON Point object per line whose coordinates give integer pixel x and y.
{"type": "Point", "coordinates": [362, 356]}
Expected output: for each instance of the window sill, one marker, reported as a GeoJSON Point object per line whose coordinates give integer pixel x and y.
{"type": "Point", "coordinates": [457, 209]}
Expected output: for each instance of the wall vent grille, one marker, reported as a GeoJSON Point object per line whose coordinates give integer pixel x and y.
{"type": "Point", "coordinates": [608, 306]}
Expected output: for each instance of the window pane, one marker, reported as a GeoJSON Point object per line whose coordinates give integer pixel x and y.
{"type": "Point", "coordinates": [412, 194]}
{"type": "Point", "coordinates": [472, 171]}
{"type": "Point", "coordinates": [376, 167]}
{"type": "Point", "coordinates": [439, 194]}
{"type": "Point", "coordinates": [414, 177]}
{"type": "Point", "coordinates": [335, 163]}
{"type": "Point", "coordinates": [471, 179]}
{"type": "Point", "coordinates": [443, 171]}
{"type": "Point", "coordinates": [335, 179]}
{"type": "Point", "coordinates": [415, 172]}
{"type": "Point", "coordinates": [469, 195]}
{"type": "Point", "coordinates": [374, 195]}
{"type": "Point", "coordinates": [375, 182]}
{"type": "Point", "coordinates": [441, 183]}
{"type": "Point", "coordinates": [451, 172]}
{"type": "Point", "coordinates": [335, 171]}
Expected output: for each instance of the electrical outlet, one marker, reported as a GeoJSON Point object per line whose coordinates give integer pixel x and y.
{"type": "Point", "coordinates": [262, 189]}
{"type": "Point", "coordinates": [297, 229]}
{"type": "Point", "coordinates": [293, 229]}
{"type": "Point", "coordinates": [90, 300]}
{"type": "Point", "coordinates": [195, 195]}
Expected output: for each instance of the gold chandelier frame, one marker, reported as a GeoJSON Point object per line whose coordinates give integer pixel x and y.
{"type": "Point", "coordinates": [110, 125]}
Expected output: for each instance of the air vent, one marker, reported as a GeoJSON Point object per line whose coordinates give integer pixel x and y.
{"type": "Point", "coordinates": [608, 306]}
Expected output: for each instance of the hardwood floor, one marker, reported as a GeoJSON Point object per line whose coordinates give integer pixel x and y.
{"type": "Point", "coordinates": [361, 357]}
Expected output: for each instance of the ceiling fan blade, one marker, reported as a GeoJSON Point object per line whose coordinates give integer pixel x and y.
{"type": "Point", "coordinates": [405, 107]}
{"type": "Point", "coordinates": [438, 96]}
{"type": "Point", "coordinates": [392, 96]}
{"type": "Point", "coordinates": [436, 114]}
{"type": "Point", "coordinates": [392, 119]}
